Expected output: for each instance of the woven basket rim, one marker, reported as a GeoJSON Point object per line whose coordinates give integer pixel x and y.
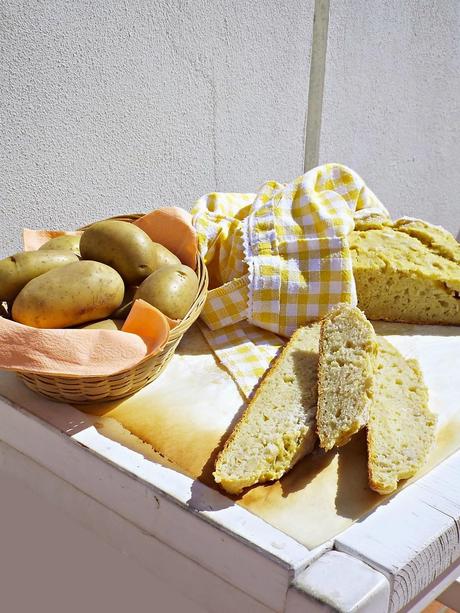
{"type": "Point", "coordinates": [178, 331]}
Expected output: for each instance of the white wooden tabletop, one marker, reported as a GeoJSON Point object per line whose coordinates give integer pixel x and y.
{"type": "Point", "coordinates": [399, 557]}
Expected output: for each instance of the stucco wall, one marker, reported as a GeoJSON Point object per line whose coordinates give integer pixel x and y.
{"type": "Point", "coordinates": [391, 105]}
{"type": "Point", "coordinates": [117, 107]}
{"type": "Point", "coordinates": [113, 107]}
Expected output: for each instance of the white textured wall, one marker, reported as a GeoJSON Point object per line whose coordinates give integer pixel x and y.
{"type": "Point", "coordinates": [391, 105]}
{"type": "Point", "coordinates": [121, 106]}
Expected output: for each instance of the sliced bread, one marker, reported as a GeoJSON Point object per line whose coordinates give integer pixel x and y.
{"type": "Point", "coordinates": [278, 426]}
{"type": "Point", "coordinates": [347, 353]}
{"type": "Point", "coordinates": [401, 427]}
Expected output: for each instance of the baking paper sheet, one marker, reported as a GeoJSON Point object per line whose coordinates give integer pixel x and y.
{"type": "Point", "coordinates": [183, 418]}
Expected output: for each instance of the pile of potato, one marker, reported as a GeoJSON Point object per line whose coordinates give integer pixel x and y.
{"type": "Point", "coordinates": [73, 280]}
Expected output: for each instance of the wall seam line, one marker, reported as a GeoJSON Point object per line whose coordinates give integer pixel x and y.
{"type": "Point", "coordinates": [316, 84]}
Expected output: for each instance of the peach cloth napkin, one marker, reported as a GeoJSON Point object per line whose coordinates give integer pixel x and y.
{"type": "Point", "coordinates": [72, 352]}
{"type": "Point", "coordinates": [34, 239]}
{"type": "Point", "coordinates": [99, 352]}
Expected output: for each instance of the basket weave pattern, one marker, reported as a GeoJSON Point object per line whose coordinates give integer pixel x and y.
{"type": "Point", "coordinates": [80, 390]}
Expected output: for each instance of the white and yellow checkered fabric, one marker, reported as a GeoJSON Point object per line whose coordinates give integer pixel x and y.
{"type": "Point", "coordinates": [277, 259]}
{"type": "Point", "coordinates": [245, 350]}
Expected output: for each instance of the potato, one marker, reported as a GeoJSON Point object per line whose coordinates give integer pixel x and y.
{"type": "Point", "coordinates": [171, 289]}
{"type": "Point", "coordinates": [71, 295]}
{"type": "Point", "coordinates": [66, 242]}
{"type": "Point", "coordinates": [105, 324]}
{"type": "Point", "coordinates": [163, 257]}
{"type": "Point", "coordinates": [121, 245]}
{"type": "Point", "coordinates": [17, 270]}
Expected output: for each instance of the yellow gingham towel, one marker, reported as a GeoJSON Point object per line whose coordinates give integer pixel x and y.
{"type": "Point", "coordinates": [277, 260]}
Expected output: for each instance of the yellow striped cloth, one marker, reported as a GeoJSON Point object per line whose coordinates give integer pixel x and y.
{"type": "Point", "coordinates": [277, 260]}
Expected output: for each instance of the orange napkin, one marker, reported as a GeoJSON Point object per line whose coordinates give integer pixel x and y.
{"type": "Point", "coordinates": [34, 239]}
{"type": "Point", "coordinates": [100, 352]}
{"type": "Point", "coordinates": [80, 352]}
{"type": "Point", "coordinates": [172, 227]}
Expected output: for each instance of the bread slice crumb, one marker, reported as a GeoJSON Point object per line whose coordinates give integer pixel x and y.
{"type": "Point", "coordinates": [401, 427]}
{"type": "Point", "coordinates": [347, 353]}
{"type": "Point", "coordinates": [278, 426]}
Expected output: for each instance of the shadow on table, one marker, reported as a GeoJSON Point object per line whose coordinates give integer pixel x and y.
{"type": "Point", "coordinates": [387, 328]}
{"type": "Point", "coordinates": [313, 473]}
{"type": "Point", "coordinates": [305, 471]}
{"type": "Point", "coordinates": [354, 498]}
{"type": "Point", "coordinates": [199, 499]}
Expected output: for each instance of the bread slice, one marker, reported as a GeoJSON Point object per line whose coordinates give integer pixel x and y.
{"type": "Point", "coordinates": [347, 352]}
{"type": "Point", "coordinates": [278, 425]}
{"type": "Point", "coordinates": [408, 271]}
{"type": "Point", "coordinates": [401, 427]}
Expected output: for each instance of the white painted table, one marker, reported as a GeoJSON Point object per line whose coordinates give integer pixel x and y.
{"type": "Point", "coordinates": [400, 557]}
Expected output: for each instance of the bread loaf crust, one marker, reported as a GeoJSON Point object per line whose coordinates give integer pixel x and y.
{"type": "Point", "coordinates": [407, 271]}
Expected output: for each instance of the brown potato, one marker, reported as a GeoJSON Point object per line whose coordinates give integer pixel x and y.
{"type": "Point", "coordinates": [17, 270]}
{"type": "Point", "coordinates": [71, 295]}
{"type": "Point", "coordinates": [121, 245]}
{"type": "Point", "coordinates": [171, 289]}
{"type": "Point", "coordinates": [65, 242]}
{"type": "Point", "coordinates": [164, 257]}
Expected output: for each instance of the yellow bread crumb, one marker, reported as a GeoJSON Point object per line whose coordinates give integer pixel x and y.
{"type": "Point", "coordinates": [347, 353]}
{"type": "Point", "coordinates": [401, 427]}
{"type": "Point", "coordinates": [278, 426]}
{"type": "Point", "coordinates": [409, 272]}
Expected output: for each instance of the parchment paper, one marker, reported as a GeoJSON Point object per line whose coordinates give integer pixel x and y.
{"type": "Point", "coordinates": [183, 418]}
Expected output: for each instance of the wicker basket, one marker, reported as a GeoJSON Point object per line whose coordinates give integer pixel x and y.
{"type": "Point", "coordinates": [80, 390]}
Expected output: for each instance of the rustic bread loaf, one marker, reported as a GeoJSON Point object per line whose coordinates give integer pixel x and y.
{"type": "Point", "coordinates": [278, 426]}
{"type": "Point", "coordinates": [436, 238]}
{"type": "Point", "coordinates": [401, 428]}
{"type": "Point", "coordinates": [406, 271]}
{"type": "Point", "coordinates": [347, 352]}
